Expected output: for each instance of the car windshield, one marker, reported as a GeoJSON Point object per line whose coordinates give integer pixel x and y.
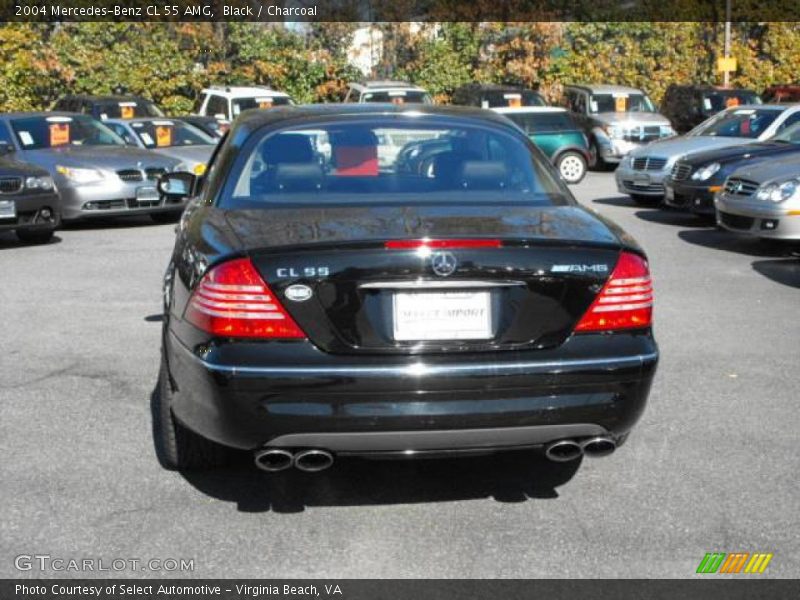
{"type": "Point", "coordinates": [398, 97]}
{"type": "Point", "coordinates": [242, 104]}
{"type": "Point", "coordinates": [511, 98]}
{"type": "Point", "coordinates": [162, 133]}
{"type": "Point", "coordinates": [620, 102]}
{"type": "Point", "coordinates": [127, 109]}
{"type": "Point", "coordinates": [35, 133]}
{"type": "Point", "coordinates": [532, 123]}
{"type": "Point", "coordinates": [790, 135]}
{"type": "Point", "coordinates": [740, 122]}
{"type": "Point", "coordinates": [714, 102]}
{"type": "Point", "coordinates": [384, 161]}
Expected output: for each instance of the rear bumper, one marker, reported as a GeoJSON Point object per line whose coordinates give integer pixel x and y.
{"type": "Point", "coordinates": [296, 396]}
{"type": "Point", "coordinates": [697, 199]}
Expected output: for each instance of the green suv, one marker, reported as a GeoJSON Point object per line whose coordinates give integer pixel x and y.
{"type": "Point", "coordinates": [557, 134]}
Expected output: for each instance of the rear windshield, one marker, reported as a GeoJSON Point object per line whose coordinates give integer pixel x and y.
{"type": "Point", "coordinates": [496, 99]}
{"type": "Point", "coordinates": [398, 97]}
{"type": "Point", "coordinates": [127, 109]}
{"type": "Point", "coordinates": [543, 122]}
{"type": "Point", "coordinates": [163, 133]}
{"type": "Point", "coordinates": [716, 101]}
{"type": "Point", "coordinates": [392, 161]}
{"type": "Point", "coordinates": [35, 133]}
{"type": "Point", "coordinates": [742, 122]}
{"type": "Point", "coordinates": [242, 104]}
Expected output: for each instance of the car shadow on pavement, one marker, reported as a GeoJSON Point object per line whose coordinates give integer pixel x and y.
{"type": "Point", "coordinates": [676, 218]}
{"type": "Point", "coordinates": [624, 201]}
{"type": "Point", "coordinates": [505, 477]}
{"type": "Point", "coordinates": [9, 240]}
{"type": "Point", "coordinates": [110, 223]}
{"type": "Point", "coordinates": [718, 239]}
{"type": "Point", "coordinates": [785, 271]}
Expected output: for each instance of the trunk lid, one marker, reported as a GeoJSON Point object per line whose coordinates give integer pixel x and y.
{"type": "Point", "coordinates": [332, 271]}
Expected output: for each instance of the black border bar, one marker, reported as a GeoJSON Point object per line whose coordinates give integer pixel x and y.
{"type": "Point", "coordinates": [706, 587]}
{"type": "Point", "coordinates": [397, 10]}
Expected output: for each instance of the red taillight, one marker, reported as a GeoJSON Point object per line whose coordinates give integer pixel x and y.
{"type": "Point", "coordinates": [626, 300]}
{"type": "Point", "coordinates": [233, 301]}
{"type": "Point", "coordinates": [442, 244]}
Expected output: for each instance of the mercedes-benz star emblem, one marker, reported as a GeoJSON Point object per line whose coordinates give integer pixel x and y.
{"type": "Point", "coordinates": [443, 263]}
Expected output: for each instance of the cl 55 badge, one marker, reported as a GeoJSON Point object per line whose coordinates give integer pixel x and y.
{"type": "Point", "coordinates": [303, 272]}
{"type": "Point", "coordinates": [579, 269]}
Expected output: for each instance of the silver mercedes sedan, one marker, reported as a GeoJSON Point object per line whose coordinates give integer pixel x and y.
{"type": "Point", "coordinates": [642, 173]}
{"type": "Point", "coordinates": [762, 199]}
{"type": "Point", "coordinates": [170, 137]}
{"type": "Point", "coordinates": [96, 174]}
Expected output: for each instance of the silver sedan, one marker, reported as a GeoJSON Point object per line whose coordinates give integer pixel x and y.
{"type": "Point", "coordinates": [170, 137]}
{"type": "Point", "coordinates": [643, 172]}
{"type": "Point", "coordinates": [96, 174]}
{"type": "Point", "coordinates": [762, 200]}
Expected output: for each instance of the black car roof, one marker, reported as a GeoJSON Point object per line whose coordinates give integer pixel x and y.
{"type": "Point", "coordinates": [107, 98]}
{"type": "Point", "coordinates": [256, 118]}
{"type": "Point", "coordinates": [42, 113]}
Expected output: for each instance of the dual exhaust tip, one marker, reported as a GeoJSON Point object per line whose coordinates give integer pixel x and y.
{"type": "Point", "coordinates": [278, 459]}
{"type": "Point", "coordinates": [567, 450]}
{"type": "Point", "coordinates": [315, 460]}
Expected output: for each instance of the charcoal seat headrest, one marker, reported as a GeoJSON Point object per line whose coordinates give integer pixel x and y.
{"type": "Point", "coordinates": [287, 148]}
{"type": "Point", "coordinates": [483, 175]}
{"type": "Point", "coordinates": [298, 177]}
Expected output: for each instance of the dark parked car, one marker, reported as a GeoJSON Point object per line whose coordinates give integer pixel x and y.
{"type": "Point", "coordinates": [490, 95]}
{"type": "Point", "coordinates": [341, 305]}
{"type": "Point", "coordinates": [209, 125]}
{"type": "Point", "coordinates": [108, 107]}
{"type": "Point", "coordinates": [697, 178]}
{"type": "Point", "coordinates": [29, 203]}
{"type": "Point", "coordinates": [556, 133]}
{"type": "Point", "coordinates": [686, 106]}
{"type": "Point", "coordinates": [781, 94]}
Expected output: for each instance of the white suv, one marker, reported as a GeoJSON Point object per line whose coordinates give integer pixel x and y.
{"type": "Point", "coordinates": [397, 92]}
{"type": "Point", "coordinates": [227, 102]}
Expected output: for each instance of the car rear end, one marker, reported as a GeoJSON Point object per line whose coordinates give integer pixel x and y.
{"type": "Point", "coordinates": [397, 327]}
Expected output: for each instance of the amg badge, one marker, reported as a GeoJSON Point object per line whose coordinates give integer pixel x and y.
{"type": "Point", "coordinates": [579, 269]}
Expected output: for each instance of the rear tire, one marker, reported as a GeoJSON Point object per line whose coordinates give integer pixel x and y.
{"type": "Point", "coordinates": [163, 218]}
{"type": "Point", "coordinates": [35, 236]}
{"type": "Point", "coordinates": [646, 200]}
{"type": "Point", "coordinates": [572, 167]}
{"type": "Point", "coordinates": [177, 446]}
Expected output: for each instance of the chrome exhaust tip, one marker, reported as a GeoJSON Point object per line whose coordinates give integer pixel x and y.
{"type": "Point", "coordinates": [599, 446]}
{"type": "Point", "coordinates": [273, 459]}
{"type": "Point", "coordinates": [312, 461]}
{"type": "Point", "coordinates": [563, 451]}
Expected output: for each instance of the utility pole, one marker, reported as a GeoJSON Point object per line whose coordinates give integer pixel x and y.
{"type": "Point", "coordinates": [726, 74]}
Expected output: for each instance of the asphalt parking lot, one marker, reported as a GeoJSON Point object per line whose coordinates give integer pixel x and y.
{"type": "Point", "coordinates": [712, 466]}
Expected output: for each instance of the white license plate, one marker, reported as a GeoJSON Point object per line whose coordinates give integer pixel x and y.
{"type": "Point", "coordinates": [669, 193]}
{"type": "Point", "coordinates": [641, 181]}
{"type": "Point", "coordinates": [8, 210]}
{"type": "Point", "coordinates": [455, 315]}
{"type": "Point", "coordinates": [147, 194]}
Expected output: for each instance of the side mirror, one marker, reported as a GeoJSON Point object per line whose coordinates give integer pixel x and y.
{"type": "Point", "coordinates": [177, 185]}
{"type": "Point", "coordinates": [6, 148]}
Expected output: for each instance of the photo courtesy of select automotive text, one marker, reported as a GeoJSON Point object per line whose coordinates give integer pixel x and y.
{"type": "Point", "coordinates": [399, 299]}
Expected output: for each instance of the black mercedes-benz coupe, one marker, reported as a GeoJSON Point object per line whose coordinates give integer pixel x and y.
{"type": "Point", "coordinates": [338, 289]}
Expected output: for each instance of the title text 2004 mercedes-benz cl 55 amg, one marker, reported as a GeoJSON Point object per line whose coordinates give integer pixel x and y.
{"type": "Point", "coordinates": [393, 280]}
